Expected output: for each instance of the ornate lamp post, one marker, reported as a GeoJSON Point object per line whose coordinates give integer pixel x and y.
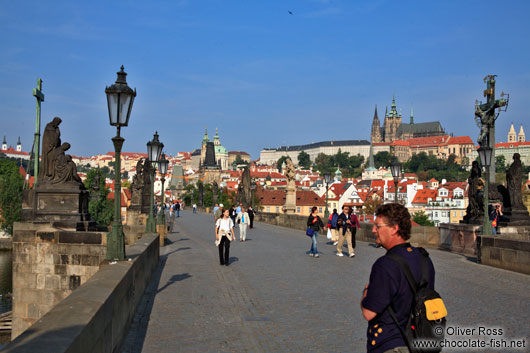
{"type": "Point", "coordinates": [120, 98]}
{"type": "Point", "coordinates": [395, 168]}
{"type": "Point", "coordinates": [163, 164]}
{"type": "Point", "coordinates": [154, 148]}
{"type": "Point", "coordinates": [327, 179]}
{"type": "Point", "coordinates": [485, 153]}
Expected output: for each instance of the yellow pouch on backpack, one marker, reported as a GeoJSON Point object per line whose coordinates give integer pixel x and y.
{"type": "Point", "coordinates": [435, 309]}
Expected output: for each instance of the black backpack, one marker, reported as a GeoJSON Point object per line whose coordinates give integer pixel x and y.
{"type": "Point", "coordinates": [426, 324]}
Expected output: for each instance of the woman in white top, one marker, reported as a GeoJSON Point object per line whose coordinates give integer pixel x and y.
{"type": "Point", "coordinates": [224, 233]}
{"type": "Point", "coordinates": [243, 220]}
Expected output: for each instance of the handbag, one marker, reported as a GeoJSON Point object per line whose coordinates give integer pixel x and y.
{"type": "Point", "coordinates": [309, 232]}
{"type": "Point", "coordinates": [329, 234]}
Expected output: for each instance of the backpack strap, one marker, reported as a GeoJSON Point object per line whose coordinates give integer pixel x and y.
{"type": "Point", "coordinates": [405, 338]}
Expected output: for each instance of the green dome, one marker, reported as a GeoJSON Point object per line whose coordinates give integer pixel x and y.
{"type": "Point", "coordinates": [220, 149]}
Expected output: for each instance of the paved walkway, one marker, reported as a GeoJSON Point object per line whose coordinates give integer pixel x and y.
{"type": "Point", "coordinates": [275, 298]}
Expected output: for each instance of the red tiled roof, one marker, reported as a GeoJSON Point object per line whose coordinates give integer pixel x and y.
{"type": "Point", "coordinates": [460, 140]}
{"type": "Point", "coordinates": [309, 198]}
{"type": "Point", "coordinates": [512, 144]}
{"type": "Point", "coordinates": [428, 141]}
{"type": "Point", "coordinates": [400, 143]}
{"type": "Point", "coordinates": [11, 150]}
{"type": "Point", "coordinates": [423, 195]}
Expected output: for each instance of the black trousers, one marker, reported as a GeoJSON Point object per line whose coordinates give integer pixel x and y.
{"type": "Point", "coordinates": [224, 247]}
{"type": "Point", "coordinates": [353, 231]}
{"type": "Point", "coordinates": [251, 221]}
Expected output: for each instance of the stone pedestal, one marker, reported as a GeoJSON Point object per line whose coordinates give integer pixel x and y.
{"type": "Point", "coordinates": [516, 217]}
{"type": "Point", "coordinates": [48, 264]}
{"type": "Point", "coordinates": [162, 230]}
{"type": "Point", "coordinates": [290, 201]}
{"type": "Point", "coordinates": [66, 204]}
{"type": "Point", "coordinates": [460, 238]}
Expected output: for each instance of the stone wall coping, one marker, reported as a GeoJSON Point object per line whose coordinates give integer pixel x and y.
{"type": "Point", "coordinates": [75, 323]}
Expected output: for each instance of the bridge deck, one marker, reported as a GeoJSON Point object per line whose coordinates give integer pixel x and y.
{"type": "Point", "coordinates": [275, 298]}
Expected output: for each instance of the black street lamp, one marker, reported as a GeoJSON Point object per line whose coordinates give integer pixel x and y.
{"type": "Point", "coordinates": [485, 153]}
{"type": "Point", "coordinates": [154, 148]}
{"type": "Point", "coordinates": [163, 164]}
{"type": "Point", "coordinates": [327, 179]}
{"type": "Point", "coordinates": [120, 98]}
{"type": "Point", "coordinates": [395, 169]}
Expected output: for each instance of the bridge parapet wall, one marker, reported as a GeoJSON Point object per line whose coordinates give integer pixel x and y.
{"type": "Point", "coordinates": [96, 316]}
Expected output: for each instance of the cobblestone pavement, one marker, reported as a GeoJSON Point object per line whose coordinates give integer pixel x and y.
{"type": "Point", "coordinates": [275, 298]}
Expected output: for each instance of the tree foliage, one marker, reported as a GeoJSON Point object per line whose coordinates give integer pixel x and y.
{"type": "Point", "coordinates": [422, 219]}
{"type": "Point", "coordinates": [383, 159]}
{"type": "Point", "coordinates": [101, 209]}
{"type": "Point", "coordinates": [370, 205]}
{"type": "Point", "coordinates": [280, 162]}
{"type": "Point", "coordinates": [350, 166]}
{"type": "Point", "coordinates": [428, 166]}
{"type": "Point", "coordinates": [239, 160]}
{"type": "Point", "coordinates": [11, 183]}
{"type": "Point", "coordinates": [303, 160]}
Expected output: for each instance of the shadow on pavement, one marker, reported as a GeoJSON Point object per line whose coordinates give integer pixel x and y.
{"type": "Point", "coordinates": [173, 279]}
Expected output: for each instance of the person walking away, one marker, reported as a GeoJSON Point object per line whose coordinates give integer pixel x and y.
{"type": "Point", "coordinates": [333, 226]}
{"type": "Point", "coordinates": [194, 208]}
{"type": "Point", "coordinates": [243, 220]}
{"type": "Point", "coordinates": [224, 234]}
{"type": "Point", "coordinates": [346, 225]}
{"type": "Point", "coordinates": [388, 286]}
{"type": "Point", "coordinates": [238, 209]}
{"type": "Point", "coordinates": [215, 208]}
{"type": "Point", "coordinates": [233, 214]}
{"type": "Point", "coordinates": [314, 222]}
{"type": "Point", "coordinates": [218, 213]}
{"type": "Point", "coordinates": [251, 216]}
{"type": "Point", "coordinates": [177, 209]}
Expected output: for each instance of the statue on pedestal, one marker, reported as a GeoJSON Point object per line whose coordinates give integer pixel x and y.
{"type": "Point", "coordinates": [290, 196]}
{"type": "Point", "coordinates": [244, 189]}
{"type": "Point", "coordinates": [514, 182]}
{"type": "Point", "coordinates": [475, 200]}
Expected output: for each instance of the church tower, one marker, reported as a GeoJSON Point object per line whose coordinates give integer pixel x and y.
{"type": "Point", "coordinates": [205, 141]}
{"type": "Point", "coordinates": [376, 128]}
{"type": "Point", "coordinates": [512, 137]}
{"type": "Point", "coordinates": [19, 145]}
{"type": "Point", "coordinates": [521, 136]}
{"type": "Point", "coordinates": [392, 122]}
{"type": "Point", "coordinates": [4, 144]}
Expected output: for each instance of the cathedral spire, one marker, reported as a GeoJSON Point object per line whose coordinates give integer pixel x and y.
{"type": "Point", "coordinates": [375, 113]}
{"type": "Point", "coordinates": [411, 115]}
{"type": "Point", "coordinates": [521, 137]}
{"type": "Point", "coordinates": [205, 138]}
{"type": "Point", "coordinates": [512, 137]}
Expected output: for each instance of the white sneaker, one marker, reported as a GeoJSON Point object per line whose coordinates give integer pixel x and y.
{"type": "Point", "coordinates": [335, 243]}
{"type": "Point", "coordinates": [340, 254]}
{"type": "Point", "coordinates": [316, 255]}
{"type": "Point", "coordinates": [311, 254]}
{"type": "Point", "coordinates": [352, 254]}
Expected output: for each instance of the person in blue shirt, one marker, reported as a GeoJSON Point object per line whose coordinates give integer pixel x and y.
{"type": "Point", "coordinates": [388, 285]}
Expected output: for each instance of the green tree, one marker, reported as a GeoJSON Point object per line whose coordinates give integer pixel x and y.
{"type": "Point", "coordinates": [500, 164]}
{"type": "Point", "coordinates": [11, 183]}
{"type": "Point", "coordinates": [239, 160]}
{"type": "Point", "coordinates": [383, 159]}
{"type": "Point", "coordinates": [422, 219]}
{"type": "Point", "coordinates": [100, 207]}
{"type": "Point", "coordinates": [370, 205]}
{"type": "Point", "coordinates": [280, 162]}
{"type": "Point", "coordinates": [303, 160]}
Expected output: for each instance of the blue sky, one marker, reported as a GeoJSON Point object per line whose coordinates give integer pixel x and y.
{"type": "Point", "coordinates": [264, 77]}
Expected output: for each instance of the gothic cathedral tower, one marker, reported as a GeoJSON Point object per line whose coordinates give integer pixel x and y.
{"type": "Point", "coordinates": [392, 123]}
{"type": "Point", "coordinates": [376, 129]}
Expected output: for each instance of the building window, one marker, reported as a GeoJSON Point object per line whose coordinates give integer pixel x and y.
{"type": "Point", "coordinates": [454, 214]}
{"type": "Point", "coordinates": [277, 209]}
{"type": "Point", "coordinates": [268, 209]}
{"type": "Point", "coordinates": [309, 210]}
{"type": "Point", "coordinates": [435, 214]}
{"type": "Point", "coordinates": [298, 210]}
{"type": "Point", "coordinates": [320, 209]}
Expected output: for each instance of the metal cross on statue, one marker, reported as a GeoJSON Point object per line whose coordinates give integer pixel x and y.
{"type": "Point", "coordinates": [37, 92]}
{"type": "Point", "coordinates": [485, 116]}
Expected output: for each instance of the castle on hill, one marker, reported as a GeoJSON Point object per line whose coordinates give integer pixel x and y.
{"type": "Point", "coordinates": [394, 129]}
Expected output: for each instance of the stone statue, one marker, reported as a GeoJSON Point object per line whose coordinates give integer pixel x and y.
{"type": "Point", "coordinates": [64, 169]}
{"type": "Point", "coordinates": [215, 193]}
{"type": "Point", "coordinates": [290, 172]}
{"type": "Point", "coordinates": [514, 182]}
{"type": "Point", "coordinates": [51, 139]}
{"type": "Point", "coordinates": [137, 184]}
{"type": "Point", "coordinates": [201, 195]}
{"type": "Point", "coordinates": [244, 189]}
{"type": "Point", "coordinates": [474, 206]}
